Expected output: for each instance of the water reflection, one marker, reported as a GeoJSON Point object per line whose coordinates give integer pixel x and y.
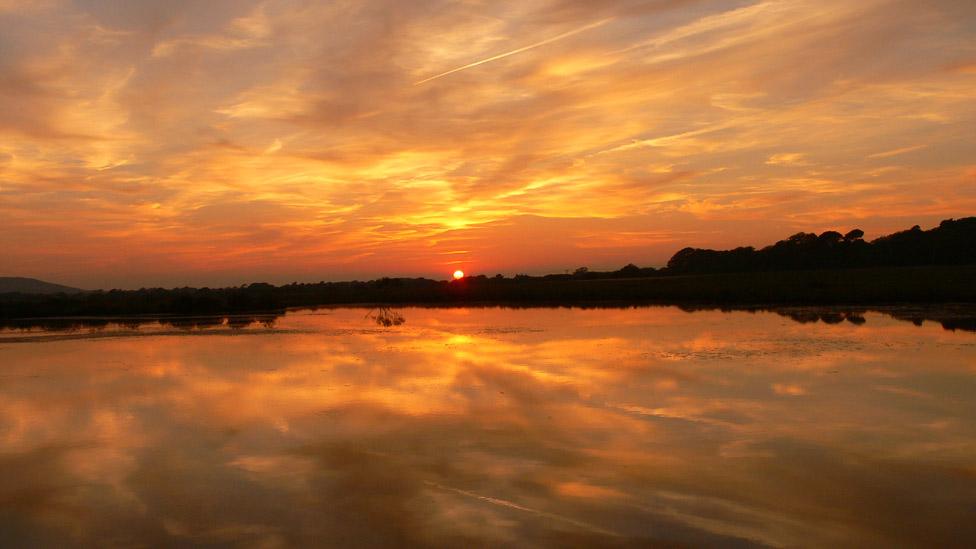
{"type": "Point", "coordinates": [535, 427]}
{"type": "Point", "coordinates": [71, 324]}
{"type": "Point", "coordinates": [385, 316]}
{"type": "Point", "coordinates": [950, 317]}
{"type": "Point", "coordinates": [82, 327]}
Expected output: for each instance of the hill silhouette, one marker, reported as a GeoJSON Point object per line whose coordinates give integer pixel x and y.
{"type": "Point", "coordinates": [953, 242]}
{"type": "Point", "coordinates": [10, 284]}
{"type": "Point", "coordinates": [915, 266]}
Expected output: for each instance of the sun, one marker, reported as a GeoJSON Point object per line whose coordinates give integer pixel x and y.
{"type": "Point", "coordinates": [458, 274]}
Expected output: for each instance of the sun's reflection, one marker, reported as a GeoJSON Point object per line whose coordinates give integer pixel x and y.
{"type": "Point", "coordinates": [546, 427]}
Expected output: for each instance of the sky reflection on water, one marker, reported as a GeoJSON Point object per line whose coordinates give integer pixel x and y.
{"type": "Point", "coordinates": [545, 427]}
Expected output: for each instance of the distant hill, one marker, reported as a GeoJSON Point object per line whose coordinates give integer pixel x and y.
{"type": "Point", "coordinates": [11, 284]}
{"type": "Point", "coordinates": [953, 242]}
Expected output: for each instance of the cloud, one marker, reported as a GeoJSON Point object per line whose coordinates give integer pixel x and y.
{"type": "Point", "coordinates": [787, 159]}
{"type": "Point", "coordinates": [313, 108]}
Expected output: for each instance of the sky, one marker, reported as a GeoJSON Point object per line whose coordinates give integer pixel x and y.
{"type": "Point", "coordinates": [176, 142]}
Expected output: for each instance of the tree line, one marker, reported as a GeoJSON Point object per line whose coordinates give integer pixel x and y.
{"type": "Point", "coordinates": [952, 243]}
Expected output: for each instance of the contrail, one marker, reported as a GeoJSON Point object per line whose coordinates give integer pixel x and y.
{"type": "Point", "coordinates": [512, 505]}
{"type": "Point", "coordinates": [520, 50]}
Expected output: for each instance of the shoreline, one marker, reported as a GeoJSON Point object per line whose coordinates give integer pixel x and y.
{"type": "Point", "coordinates": [952, 316]}
{"type": "Point", "coordinates": [888, 286]}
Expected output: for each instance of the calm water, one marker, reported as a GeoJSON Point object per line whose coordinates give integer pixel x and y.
{"type": "Point", "coordinates": [492, 427]}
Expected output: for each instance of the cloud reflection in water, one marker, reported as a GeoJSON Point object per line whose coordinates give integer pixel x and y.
{"type": "Point", "coordinates": [546, 427]}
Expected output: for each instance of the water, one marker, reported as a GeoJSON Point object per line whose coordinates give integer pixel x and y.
{"type": "Point", "coordinates": [492, 427]}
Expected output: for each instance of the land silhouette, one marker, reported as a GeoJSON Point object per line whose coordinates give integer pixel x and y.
{"type": "Point", "coordinates": [912, 266]}
{"type": "Point", "coordinates": [953, 242]}
{"type": "Point", "coordinates": [16, 284]}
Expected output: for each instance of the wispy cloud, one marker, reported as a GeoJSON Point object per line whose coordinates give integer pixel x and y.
{"type": "Point", "coordinates": [221, 142]}
{"type": "Point", "coordinates": [788, 159]}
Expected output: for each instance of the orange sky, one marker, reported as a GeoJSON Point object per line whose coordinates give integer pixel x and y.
{"type": "Point", "coordinates": [228, 141]}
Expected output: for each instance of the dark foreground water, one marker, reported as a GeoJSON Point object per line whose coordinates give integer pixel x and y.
{"type": "Point", "coordinates": [492, 427]}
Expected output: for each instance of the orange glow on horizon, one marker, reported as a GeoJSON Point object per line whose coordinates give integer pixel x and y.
{"type": "Point", "coordinates": [538, 140]}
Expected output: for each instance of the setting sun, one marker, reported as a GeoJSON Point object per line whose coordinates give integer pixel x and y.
{"type": "Point", "coordinates": [458, 275]}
